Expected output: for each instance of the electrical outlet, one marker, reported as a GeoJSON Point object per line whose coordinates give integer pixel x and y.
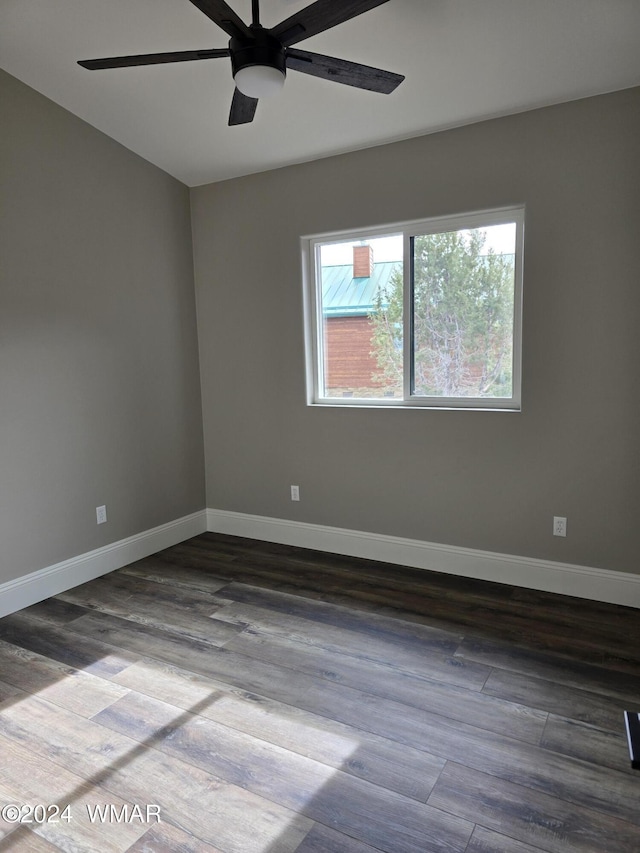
{"type": "Point", "coordinates": [101, 514]}
{"type": "Point", "coordinates": [295, 493]}
{"type": "Point", "coordinates": [559, 526]}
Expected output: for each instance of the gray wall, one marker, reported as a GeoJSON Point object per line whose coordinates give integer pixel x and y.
{"type": "Point", "coordinates": [476, 479]}
{"type": "Point", "coordinates": [99, 382]}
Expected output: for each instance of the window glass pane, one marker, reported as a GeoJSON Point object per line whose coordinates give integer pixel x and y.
{"type": "Point", "coordinates": [360, 295]}
{"type": "Point", "coordinates": [454, 279]}
{"type": "Point", "coordinates": [463, 291]}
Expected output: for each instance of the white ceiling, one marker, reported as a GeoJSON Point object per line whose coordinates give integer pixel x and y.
{"type": "Point", "coordinates": [464, 60]}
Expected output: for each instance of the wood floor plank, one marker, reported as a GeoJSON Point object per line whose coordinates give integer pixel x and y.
{"type": "Point", "coordinates": [535, 818]}
{"type": "Point", "coordinates": [78, 691]}
{"type": "Point", "coordinates": [159, 571]}
{"type": "Point", "coordinates": [292, 575]}
{"type": "Point", "coordinates": [439, 688]}
{"type": "Point", "coordinates": [53, 642]}
{"type": "Point", "coordinates": [490, 605]}
{"type": "Point", "coordinates": [398, 767]}
{"type": "Point", "coordinates": [212, 562]}
{"type": "Point", "coordinates": [274, 571]}
{"type": "Point", "coordinates": [267, 561]}
{"type": "Point", "coordinates": [611, 622]}
{"type": "Point", "coordinates": [219, 813]}
{"type": "Point", "coordinates": [165, 838]}
{"type": "Point", "coordinates": [563, 670]}
{"type": "Point", "coordinates": [383, 629]}
{"type": "Point", "coordinates": [544, 620]}
{"type": "Point", "coordinates": [176, 609]}
{"type": "Point", "coordinates": [323, 839]}
{"type": "Point", "coordinates": [28, 842]}
{"type": "Point", "coordinates": [551, 607]}
{"type": "Point", "coordinates": [54, 610]}
{"type": "Point", "coordinates": [363, 810]}
{"type": "Point", "coordinates": [25, 779]}
{"type": "Point", "coordinates": [316, 584]}
{"type": "Point", "coordinates": [142, 639]}
{"type": "Point", "coordinates": [486, 841]}
{"type": "Point", "coordinates": [593, 708]}
{"type": "Point", "coordinates": [568, 779]}
{"type": "Point", "coordinates": [8, 692]}
{"type": "Point", "coordinates": [588, 743]}
{"type": "Point", "coordinates": [225, 551]}
{"type": "Point", "coordinates": [64, 738]}
{"type": "Point", "coordinates": [319, 656]}
{"type": "Point", "coordinates": [402, 652]}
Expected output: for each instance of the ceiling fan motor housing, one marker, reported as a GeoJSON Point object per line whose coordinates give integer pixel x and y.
{"type": "Point", "coordinates": [260, 49]}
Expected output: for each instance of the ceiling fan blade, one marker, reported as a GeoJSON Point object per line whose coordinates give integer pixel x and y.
{"type": "Point", "coordinates": [223, 15]}
{"type": "Point", "coordinates": [343, 71]}
{"type": "Point", "coordinates": [243, 108]}
{"type": "Point", "coordinates": [152, 58]}
{"type": "Point", "coordinates": [320, 16]}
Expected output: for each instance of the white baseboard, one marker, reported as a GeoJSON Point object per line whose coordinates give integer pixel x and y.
{"type": "Point", "coordinates": [565, 578]}
{"type": "Point", "coordinates": [34, 587]}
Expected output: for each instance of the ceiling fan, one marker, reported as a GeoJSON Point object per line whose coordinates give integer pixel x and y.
{"type": "Point", "coordinates": [260, 57]}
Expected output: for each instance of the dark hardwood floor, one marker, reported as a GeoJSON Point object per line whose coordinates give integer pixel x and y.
{"type": "Point", "coordinates": [265, 699]}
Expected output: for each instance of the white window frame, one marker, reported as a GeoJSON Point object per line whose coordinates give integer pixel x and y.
{"type": "Point", "coordinates": [314, 355]}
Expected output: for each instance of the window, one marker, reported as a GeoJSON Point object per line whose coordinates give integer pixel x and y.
{"type": "Point", "coordinates": [417, 314]}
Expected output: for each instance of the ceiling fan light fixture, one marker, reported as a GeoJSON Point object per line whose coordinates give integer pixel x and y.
{"type": "Point", "coordinates": [259, 81]}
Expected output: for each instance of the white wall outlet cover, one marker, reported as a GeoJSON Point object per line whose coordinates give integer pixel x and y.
{"type": "Point", "coordinates": [559, 526]}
